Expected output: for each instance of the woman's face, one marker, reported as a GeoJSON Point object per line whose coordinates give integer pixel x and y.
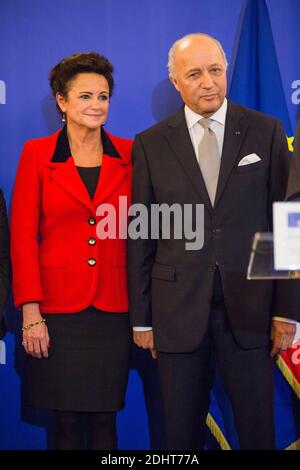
{"type": "Point", "coordinates": [87, 102]}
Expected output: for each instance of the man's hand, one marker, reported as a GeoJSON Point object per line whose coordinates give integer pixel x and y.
{"type": "Point", "coordinates": [145, 340]}
{"type": "Point", "coordinates": [282, 335]}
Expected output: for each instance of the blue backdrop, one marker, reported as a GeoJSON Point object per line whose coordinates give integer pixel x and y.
{"type": "Point", "coordinates": [135, 35]}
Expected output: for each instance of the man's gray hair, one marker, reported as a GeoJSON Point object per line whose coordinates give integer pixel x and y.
{"type": "Point", "coordinates": [176, 45]}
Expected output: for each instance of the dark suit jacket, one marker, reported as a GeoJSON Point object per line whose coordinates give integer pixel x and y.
{"type": "Point", "coordinates": [293, 189]}
{"type": "Point", "coordinates": [5, 269]}
{"type": "Point", "coordinates": [170, 287]}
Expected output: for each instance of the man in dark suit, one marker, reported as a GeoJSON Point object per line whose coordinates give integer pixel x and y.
{"type": "Point", "coordinates": [5, 268]}
{"type": "Point", "coordinates": [293, 189]}
{"type": "Point", "coordinates": [199, 303]}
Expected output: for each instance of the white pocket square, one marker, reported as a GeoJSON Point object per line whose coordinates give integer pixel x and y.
{"type": "Point", "coordinates": [249, 159]}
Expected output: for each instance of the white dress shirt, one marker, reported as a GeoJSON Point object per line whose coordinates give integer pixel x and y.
{"type": "Point", "coordinates": [197, 131]}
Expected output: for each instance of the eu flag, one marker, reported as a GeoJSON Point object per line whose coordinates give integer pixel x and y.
{"type": "Point", "coordinates": [256, 83]}
{"type": "Point", "coordinates": [256, 80]}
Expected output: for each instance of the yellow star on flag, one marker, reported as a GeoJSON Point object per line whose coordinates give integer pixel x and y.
{"type": "Point", "coordinates": [290, 141]}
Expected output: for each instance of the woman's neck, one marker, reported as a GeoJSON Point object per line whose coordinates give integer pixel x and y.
{"type": "Point", "coordinates": [86, 146]}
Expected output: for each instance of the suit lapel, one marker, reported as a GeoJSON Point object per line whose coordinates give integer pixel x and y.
{"type": "Point", "coordinates": [235, 131]}
{"type": "Point", "coordinates": [180, 142]}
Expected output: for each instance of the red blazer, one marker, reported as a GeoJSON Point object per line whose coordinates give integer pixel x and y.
{"type": "Point", "coordinates": [57, 258]}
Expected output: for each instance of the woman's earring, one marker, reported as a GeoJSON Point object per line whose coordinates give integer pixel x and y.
{"type": "Point", "coordinates": [63, 118]}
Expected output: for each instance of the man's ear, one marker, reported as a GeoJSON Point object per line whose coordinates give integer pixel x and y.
{"type": "Point", "coordinates": [174, 81]}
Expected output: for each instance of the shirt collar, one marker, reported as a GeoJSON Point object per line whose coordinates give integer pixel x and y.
{"type": "Point", "coordinates": [219, 116]}
{"type": "Point", "coordinates": [62, 150]}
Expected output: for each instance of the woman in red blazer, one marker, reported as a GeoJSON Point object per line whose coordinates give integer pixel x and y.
{"type": "Point", "coordinates": [70, 284]}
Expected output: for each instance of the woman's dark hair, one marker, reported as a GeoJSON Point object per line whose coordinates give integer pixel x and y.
{"type": "Point", "coordinates": [66, 70]}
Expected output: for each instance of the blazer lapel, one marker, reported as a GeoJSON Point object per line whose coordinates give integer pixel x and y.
{"type": "Point", "coordinates": [65, 173]}
{"type": "Point", "coordinates": [67, 176]}
{"type": "Point", "coordinates": [180, 142]}
{"type": "Point", "coordinates": [235, 131]}
{"type": "Point", "coordinates": [113, 171]}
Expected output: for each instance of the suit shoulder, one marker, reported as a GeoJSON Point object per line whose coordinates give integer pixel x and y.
{"type": "Point", "coordinates": [37, 151]}
{"type": "Point", "coordinates": [126, 143]}
{"type": "Point", "coordinates": [253, 115]}
{"type": "Point", "coordinates": [123, 146]}
{"type": "Point", "coordinates": [42, 142]}
{"type": "Point", "coordinates": [2, 205]}
{"type": "Point", "coordinates": [159, 127]}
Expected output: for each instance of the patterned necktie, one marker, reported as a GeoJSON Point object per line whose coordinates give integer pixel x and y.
{"type": "Point", "coordinates": [209, 158]}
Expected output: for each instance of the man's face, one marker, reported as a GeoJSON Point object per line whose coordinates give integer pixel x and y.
{"type": "Point", "coordinates": [200, 75]}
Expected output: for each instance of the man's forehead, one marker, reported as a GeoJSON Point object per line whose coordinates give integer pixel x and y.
{"type": "Point", "coordinates": [200, 42]}
{"type": "Point", "coordinates": [199, 50]}
{"type": "Point", "coordinates": [200, 59]}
